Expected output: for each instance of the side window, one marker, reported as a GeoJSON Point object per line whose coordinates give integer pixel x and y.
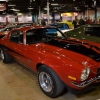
{"type": "Point", "coordinates": [33, 36]}
{"type": "Point", "coordinates": [16, 36]}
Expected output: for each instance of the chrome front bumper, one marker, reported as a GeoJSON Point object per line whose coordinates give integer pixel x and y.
{"type": "Point", "coordinates": [86, 83]}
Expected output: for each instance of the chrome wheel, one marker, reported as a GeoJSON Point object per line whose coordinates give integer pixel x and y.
{"type": "Point", "coordinates": [49, 81]}
{"type": "Point", "coordinates": [45, 82]}
{"type": "Point", "coordinates": [1, 54]}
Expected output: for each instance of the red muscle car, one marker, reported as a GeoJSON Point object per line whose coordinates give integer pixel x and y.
{"type": "Point", "coordinates": [58, 61]}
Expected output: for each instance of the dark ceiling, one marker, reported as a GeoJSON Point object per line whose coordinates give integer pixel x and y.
{"type": "Point", "coordinates": [63, 5]}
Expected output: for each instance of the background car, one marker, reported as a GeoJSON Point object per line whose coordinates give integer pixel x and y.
{"type": "Point", "coordinates": [58, 61]}
{"type": "Point", "coordinates": [79, 33]}
{"type": "Point", "coordinates": [69, 23]}
{"type": "Point", "coordinates": [8, 28]}
{"type": "Point", "coordinates": [5, 31]}
{"type": "Point", "coordinates": [92, 30]}
{"type": "Point", "coordinates": [62, 26]}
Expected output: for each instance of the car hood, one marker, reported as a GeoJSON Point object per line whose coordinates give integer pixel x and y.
{"type": "Point", "coordinates": [77, 51]}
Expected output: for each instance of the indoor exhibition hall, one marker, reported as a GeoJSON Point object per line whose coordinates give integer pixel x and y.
{"type": "Point", "coordinates": [49, 49]}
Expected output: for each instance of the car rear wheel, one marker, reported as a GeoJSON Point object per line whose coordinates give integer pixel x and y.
{"type": "Point", "coordinates": [49, 82]}
{"type": "Point", "coordinates": [4, 56]}
{"type": "Point", "coordinates": [1, 54]}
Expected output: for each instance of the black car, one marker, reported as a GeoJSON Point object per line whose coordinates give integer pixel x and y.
{"type": "Point", "coordinates": [92, 30]}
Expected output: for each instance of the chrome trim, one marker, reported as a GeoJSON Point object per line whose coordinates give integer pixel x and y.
{"type": "Point", "coordinates": [45, 82]}
{"type": "Point", "coordinates": [86, 83]}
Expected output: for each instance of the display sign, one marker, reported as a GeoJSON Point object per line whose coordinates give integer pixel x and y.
{"type": "Point", "coordinates": [66, 14]}
{"type": "Point", "coordinates": [2, 7]}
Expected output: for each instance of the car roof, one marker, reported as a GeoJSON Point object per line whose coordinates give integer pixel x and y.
{"type": "Point", "coordinates": [34, 27]}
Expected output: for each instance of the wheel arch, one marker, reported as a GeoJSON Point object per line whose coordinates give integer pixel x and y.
{"type": "Point", "coordinates": [46, 65]}
{"type": "Point", "coordinates": [38, 65]}
{"type": "Point", "coordinates": [52, 68]}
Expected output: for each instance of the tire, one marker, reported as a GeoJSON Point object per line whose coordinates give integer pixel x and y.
{"type": "Point", "coordinates": [4, 56]}
{"type": "Point", "coordinates": [49, 82]}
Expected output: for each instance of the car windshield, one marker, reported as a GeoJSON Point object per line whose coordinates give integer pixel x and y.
{"type": "Point", "coordinates": [43, 34]}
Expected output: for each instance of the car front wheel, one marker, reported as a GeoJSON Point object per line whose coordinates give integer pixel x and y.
{"type": "Point", "coordinates": [49, 82]}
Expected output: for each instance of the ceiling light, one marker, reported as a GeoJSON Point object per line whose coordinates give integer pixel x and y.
{"type": "Point", "coordinates": [11, 5]}
{"type": "Point", "coordinates": [54, 4]}
{"type": "Point", "coordinates": [15, 9]}
{"type": "Point", "coordinates": [12, 9]}
{"type": "Point", "coordinates": [46, 8]}
{"type": "Point", "coordinates": [30, 8]}
{"type": "Point", "coordinates": [19, 14]}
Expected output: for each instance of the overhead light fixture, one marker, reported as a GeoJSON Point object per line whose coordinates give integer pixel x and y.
{"type": "Point", "coordinates": [15, 9]}
{"type": "Point", "coordinates": [46, 8]}
{"type": "Point", "coordinates": [11, 5]}
{"type": "Point", "coordinates": [19, 14]}
{"type": "Point", "coordinates": [54, 4]}
{"type": "Point", "coordinates": [29, 8]}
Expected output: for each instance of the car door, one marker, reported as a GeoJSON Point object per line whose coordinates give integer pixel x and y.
{"type": "Point", "coordinates": [20, 50]}
{"type": "Point", "coordinates": [16, 46]}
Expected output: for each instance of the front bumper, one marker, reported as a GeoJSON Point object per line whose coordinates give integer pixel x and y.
{"type": "Point", "coordinates": [84, 86]}
{"type": "Point", "coordinates": [86, 83]}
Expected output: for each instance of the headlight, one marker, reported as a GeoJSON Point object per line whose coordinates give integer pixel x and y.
{"type": "Point", "coordinates": [85, 74]}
